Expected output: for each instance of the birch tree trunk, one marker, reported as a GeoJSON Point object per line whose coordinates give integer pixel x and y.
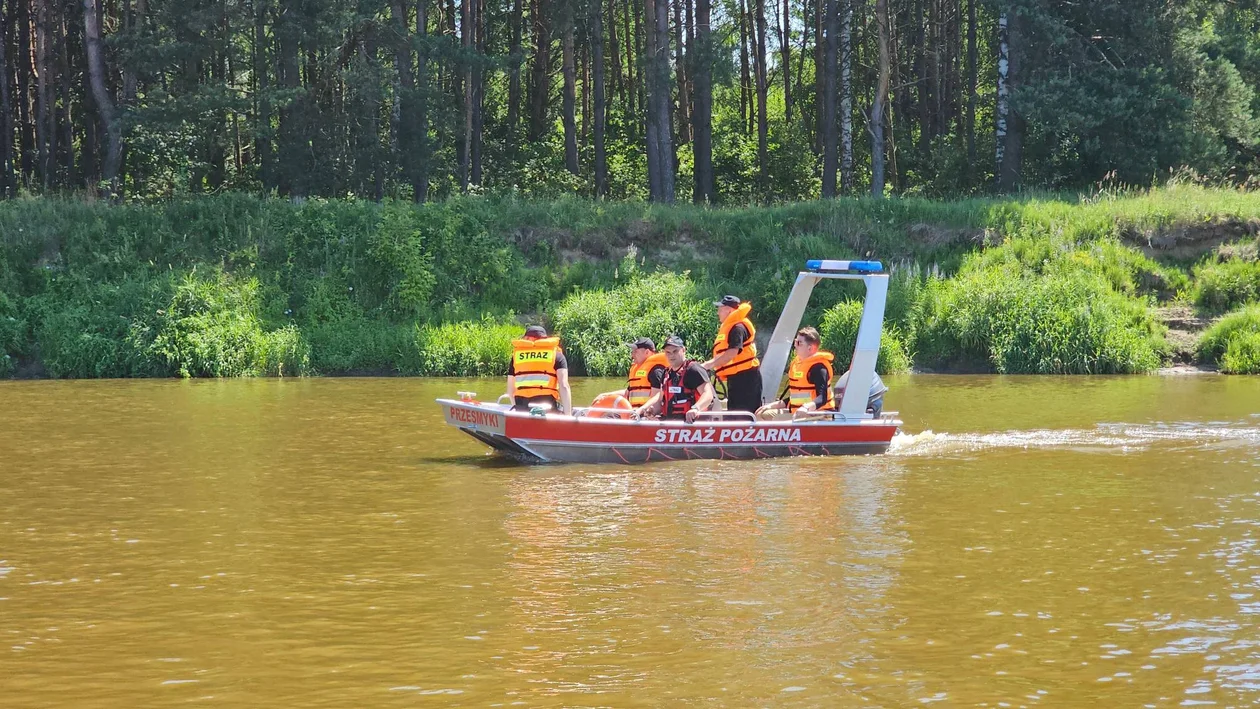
{"type": "Point", "coordinates": [878, 104]}
{"type": "Point", "coordinates": [972, 57]}
{"type": "Point", "coordinates": [846, 96]}
{"type": "Point", "coordinates": [100, 93]}
{"type": "Point", "coordinates": [1002, 115]}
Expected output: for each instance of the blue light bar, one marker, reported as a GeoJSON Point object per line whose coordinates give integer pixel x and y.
{"type": "Point", "coordinates": [855, 266]}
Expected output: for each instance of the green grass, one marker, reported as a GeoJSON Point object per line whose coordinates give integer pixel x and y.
{"type": "Point", "coordinates": [332, 286]}
{"type": "Point", "coordinates": [1223, 286]}
{"type": "Point", "coordinates": [1233, 342]}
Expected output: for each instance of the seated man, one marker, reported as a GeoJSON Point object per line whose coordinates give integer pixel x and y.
{"type": "Point", "coordinates": [809, 380]}
{"type": "Point", "coordinates": [686, 390]}
{"type": "Point", "coordinates": [874, 399]}
{"type": "Point", "coordinates": [647, 372]}
{"type": "Point", "coordinates": [538, 374]}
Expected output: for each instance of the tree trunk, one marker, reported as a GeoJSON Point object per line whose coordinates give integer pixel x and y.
{"type": "Point", "coordinates": [466, 24]}
{"type": "Point", "coordinates": [480, 29]}
{"type": "Point", "coordinates": [827, 100]}
{"type": "Point", "coordinates": [660, 141]}
{"type": "Point", "coordinates": [680, 70]}
{"type": "Point", "coordinates": [67, 104]}
{"type": "Point", "coordinates": [262, 96]}
{"type": "Point", "coordinates": [27, 133]}
{"type": "Point", "coordinates": [971, 85]}
{"type": "Point", "coordinates": [701, 57]}
{"type": "Point", "coordinates": [514, 72]}
{"type": "Point", "coordinates": [619, 81]}
{"type": "Point", "coordinates": [633, 104]}
{"type": "Point", "coordinates": [650, 125]}
{"type": "Point", "coordinates": [599, 110]}
{"type": "Point", "coordinates": [541, 84]}
{"type": "Point", "coordinates": [745, 76]}
{"type": "Point", "coordinates": [763, 121]}
{"type": "Point", "coordinates": [42, 137]}
{"type": "Point", "coordinates": [877, 106]}
{"type": "Point", "coordinates": [846, 96]}
{"type": "Point", "coordinates": [100, 93]}
{"type": "Point", "coordinates": [569, 99]}
{"type": "Point", "coordinates": [785, 46]}
{"type": "Point", "coordinates": [420, 139]}
{"type": "Point", "coordinates": [1009, 127]}
{"type": "Point", "coordinates": [290, 180]}
{"type": "Point", "coordinates": [8, 183]}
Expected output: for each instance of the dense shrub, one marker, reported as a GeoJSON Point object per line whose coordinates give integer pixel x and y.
{"type": "Point", "coordinates": [1223, 286]}
{"type": "Point", "coordinates": [1017, 323]}
{"type": "Point", "coordinates": [12, 335]}
{"type": "Point", "coordinates": [1242, 356]}
{"type": "Point", "coordinates": [839, 334]}
{"type": "Point", "coordinates": [85, 329]}
{"type": "Point", "coordinates": [595, 325]}
{"type": "Point", "coordinates": [1232, 342]}
{"type": "Point", "coordinates": [465, 349]}
{"type": "Point", "coordinates": [213, 328]}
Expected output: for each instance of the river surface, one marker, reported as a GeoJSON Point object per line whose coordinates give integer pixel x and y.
{"type": "Point", "coordinates": [330, 543]}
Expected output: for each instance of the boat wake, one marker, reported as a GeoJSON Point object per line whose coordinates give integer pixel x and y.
{"type": "Point", "coordinates": [1104, 437]}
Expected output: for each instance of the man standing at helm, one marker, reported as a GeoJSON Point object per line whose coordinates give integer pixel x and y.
{"type": "Point", "coordinates": [734, 358]}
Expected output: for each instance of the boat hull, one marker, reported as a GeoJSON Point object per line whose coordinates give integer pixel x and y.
{"type": "Point", "coordinates": [566, 439]}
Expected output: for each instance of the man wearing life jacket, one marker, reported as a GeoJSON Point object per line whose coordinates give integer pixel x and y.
{"type": "Point", "coordinates": [809, 379]}
{"type": "Point", "coordinates": [647, 371]}
{"type": "Point", "coordinates": [734, 358]}
{"type": "Point", "coordinates": [538, 374]}
{"type": "Point", "coordinates": [686, 390]}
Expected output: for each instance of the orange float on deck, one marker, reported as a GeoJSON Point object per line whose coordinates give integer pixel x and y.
{"type": "Point", "coordinates": [611, 401]}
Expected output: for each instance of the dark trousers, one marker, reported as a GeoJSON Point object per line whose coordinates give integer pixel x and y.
{"type": "Point", "coordinates": [743, 391]}
{"type": "Point", "coordinates": [523, 404]}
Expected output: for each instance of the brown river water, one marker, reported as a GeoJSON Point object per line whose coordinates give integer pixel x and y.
{"type": "Point", "coordinates": [330, 543]}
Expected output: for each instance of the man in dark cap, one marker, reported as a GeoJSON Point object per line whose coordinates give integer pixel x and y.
{"type": "Point", "coordinates": [734, 358]}
{"type": "Point", "coordinates": [647, 371]}
{"type": "Point", "coordinates": [686, 390]}
{"type": "Point", "coordinates": [538, 374]}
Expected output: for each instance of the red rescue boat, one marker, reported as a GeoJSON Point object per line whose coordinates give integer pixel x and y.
{"type": "Point", "coordinates": [550, 437]}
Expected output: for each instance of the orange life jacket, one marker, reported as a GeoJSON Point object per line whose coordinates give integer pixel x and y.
{"type": "Point", "coordinates": [747, 357]}
{"type": "Point", "coordinates": [638, 387]}
{"type": "Point", "coordinates": [800, 390]}
{"type": "Point", "coordinates": [534, 366]}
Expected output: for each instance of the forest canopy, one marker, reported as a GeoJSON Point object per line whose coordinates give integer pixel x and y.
{"type": "Point", "coordinates": [739, 101]}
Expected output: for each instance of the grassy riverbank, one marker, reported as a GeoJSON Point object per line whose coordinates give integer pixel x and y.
{"type": "Point", "coordinates": [234, 285]}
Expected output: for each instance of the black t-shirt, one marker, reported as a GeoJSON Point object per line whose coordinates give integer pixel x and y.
{"type": "Point", "coordinates": [817, 376]}
{"type": "Point", "coordinates": [561, 363]}
{"type": "Point", "coordinates": [736, 338]}
{"type": "Point", "coordinates": [656, 377]}
{"type": "Point", "coordinates": [693, 376]}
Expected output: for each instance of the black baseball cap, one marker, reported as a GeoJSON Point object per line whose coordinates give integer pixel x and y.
{"type": "Point", "coordinates": [535, 331]}
{"type": "Point", "coordinates": [644, 342]}
{"type": "Point", "coordinates": [729, 301]}
{"type": "Point", "coordinates": [674, 341]}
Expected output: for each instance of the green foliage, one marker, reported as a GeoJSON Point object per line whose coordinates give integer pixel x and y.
{"type": "Point", "coordinates": [595, 325]}
{"type": "Point", "coordinates": [839, 334]}
{"type": "Point", "coordinates": [1233, 342]}
{"type": "Point", "coordinates": [83, 329]}
{"type": "Point", "coordinates": [1052, 324]}
{"type": "Point", "coordinates": [1222, 286]}
{"type": "Point", "coordinates": [12, 335]}
{"type": "Point", "coordinates": [213, 328]}
{"type": "Point", "coordinates": [465, 349]}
